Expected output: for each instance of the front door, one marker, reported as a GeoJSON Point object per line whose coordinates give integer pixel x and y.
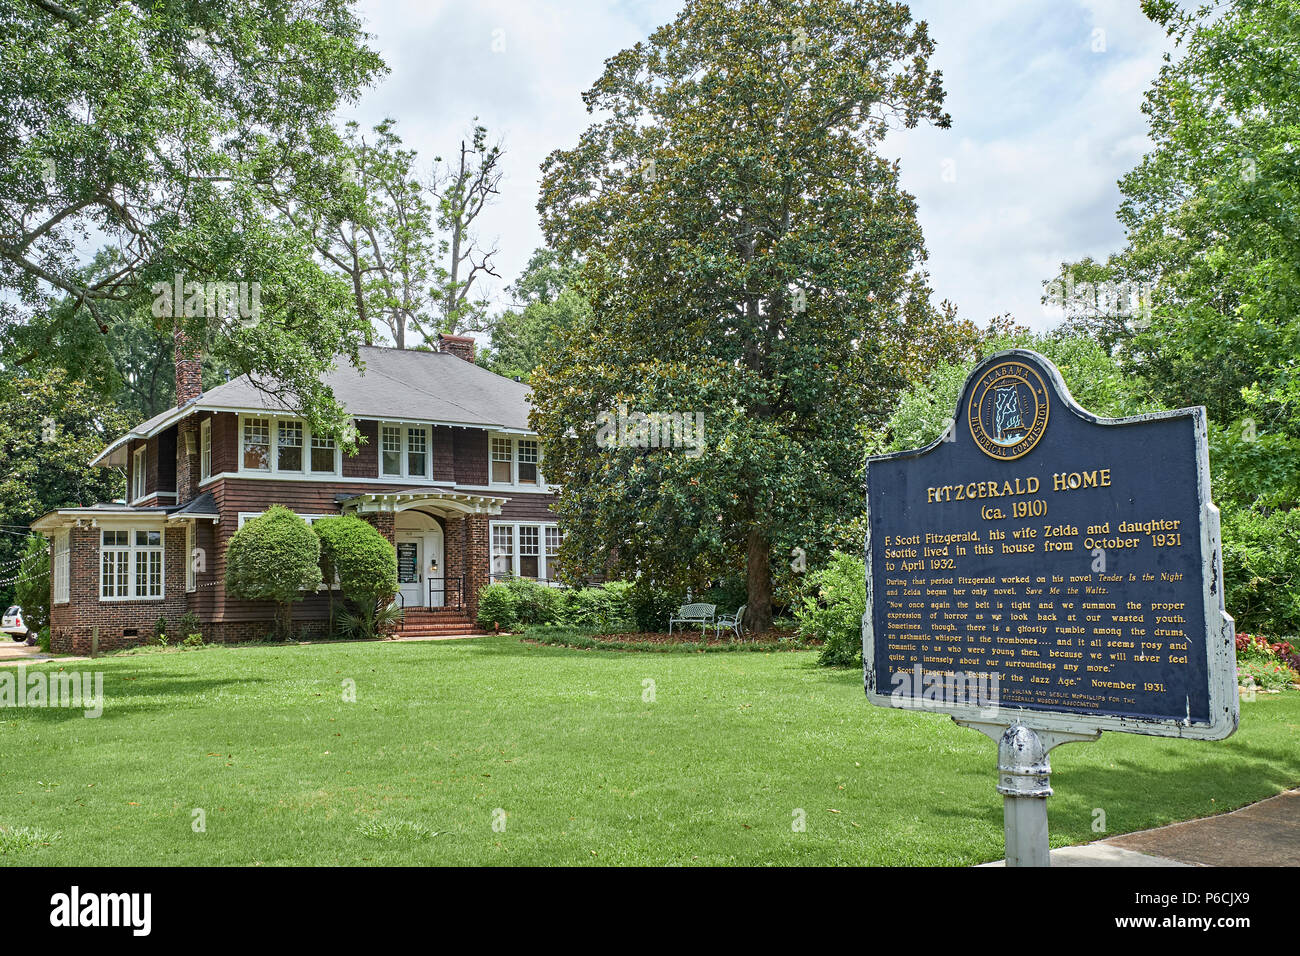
{"type": "Point", "coordinates": [410, 569]}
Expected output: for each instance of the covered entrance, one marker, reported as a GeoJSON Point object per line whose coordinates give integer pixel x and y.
{"type": "Point", "coordinates": [441, 538]}
{"type": "Point", "coordinates": [421, 565]}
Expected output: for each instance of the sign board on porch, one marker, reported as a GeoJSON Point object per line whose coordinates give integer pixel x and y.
{"type": "Point", "coordinates": [1040, 565]}
{"type": "Point", "coordinates": [408, 564]}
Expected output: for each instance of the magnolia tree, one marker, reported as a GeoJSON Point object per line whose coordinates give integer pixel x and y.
{"type": "Point", "coordinates": [752, 267]}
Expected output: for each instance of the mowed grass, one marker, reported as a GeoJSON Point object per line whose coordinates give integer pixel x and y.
{"type": "Point", "coordinates": [733, 751]}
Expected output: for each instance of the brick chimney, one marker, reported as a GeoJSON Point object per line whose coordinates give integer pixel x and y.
{"type": "Point", "coordinates": [462, 346]}
{"type": "Point", "coordinates": [189, 370]}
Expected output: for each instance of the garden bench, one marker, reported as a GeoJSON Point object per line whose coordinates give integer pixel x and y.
{"type": "Point", "coordinates": [701, 614]}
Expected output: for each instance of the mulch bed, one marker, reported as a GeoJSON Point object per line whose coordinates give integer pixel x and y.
{"type": "Point", "coordinates": [771, 641]}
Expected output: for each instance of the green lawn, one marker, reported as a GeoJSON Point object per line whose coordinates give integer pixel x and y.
{"type": "Point", "coordinates": [712, 771]}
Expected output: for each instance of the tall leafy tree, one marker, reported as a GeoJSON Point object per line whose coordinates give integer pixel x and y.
{"type": "Point", "coordinates": [547, 307]}
{"type": "Point", "coordinates": [51, 426]}
{"type": "Point", "coordinates": [169, 128]}
{"type": "Point", "coordinates": [464, 186]}
{"type": "Point", "coordinates": [749, 256]}
{"type": "Point", "coordinates": [1212, 216]}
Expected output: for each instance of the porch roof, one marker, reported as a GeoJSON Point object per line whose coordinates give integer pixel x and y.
{"type": "Point", "coordinates": [445, 501]}
{"type": "Point", "coordinates": [202, 508]}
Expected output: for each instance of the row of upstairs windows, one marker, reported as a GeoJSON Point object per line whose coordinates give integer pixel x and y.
{"type": "Point", "coordinates": [287, 446]}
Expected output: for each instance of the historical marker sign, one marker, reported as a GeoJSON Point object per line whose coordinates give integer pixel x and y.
{"type": "Point", "coordinates": [1069, 562]}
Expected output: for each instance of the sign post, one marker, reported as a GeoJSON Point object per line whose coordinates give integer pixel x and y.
{"type": "Point", "coordinates": [1042, 574]}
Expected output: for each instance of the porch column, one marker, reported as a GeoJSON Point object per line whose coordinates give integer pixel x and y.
{"type": "Point", "coordinates": [478, 561]}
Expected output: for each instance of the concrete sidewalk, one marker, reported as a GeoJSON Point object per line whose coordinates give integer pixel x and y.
{"type": "Point", "coordinates": [1263, 834]}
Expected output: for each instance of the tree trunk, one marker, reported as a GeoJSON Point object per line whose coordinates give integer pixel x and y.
{"type": "Point", "coordinates": [758, 608]}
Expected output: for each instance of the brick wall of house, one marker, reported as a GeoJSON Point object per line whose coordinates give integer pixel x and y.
{"type": "Point", "coordinates": [477, 570]}
{"type": "Point", "coordinates": [73, 624]}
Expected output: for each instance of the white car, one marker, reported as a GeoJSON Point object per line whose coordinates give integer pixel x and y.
{"type": "Point", "coordinates": [13, 624]}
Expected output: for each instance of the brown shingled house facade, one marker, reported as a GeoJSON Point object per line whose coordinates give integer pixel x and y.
{"type": "Point", "coordinates": [447, 470]}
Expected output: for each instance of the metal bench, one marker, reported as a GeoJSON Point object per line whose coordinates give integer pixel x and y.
{"type": "Point", "coordinates": [701, 614]}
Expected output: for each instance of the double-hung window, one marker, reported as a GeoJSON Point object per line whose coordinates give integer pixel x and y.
{"type": "Point", "coordinates": [139, 461]}
{"type": "Point", "coordinates": [514, 461]}
{"type": "Point", "coordinates": [323, 455]}
{"type": "Point", "coordinates": [503, 550]}
{"type": "Point", "coordinates": [131, 564]}
{"type": "Point", "coordinates": [61, 568]}
{"type": "Point", "coordinates": [257, 444]}
{"type": "Point", "coordinates": [286, 446]}
{"type": "Point", "coordinates": [404, 451]}
{"type": "Point", "coordinates": [525, 550]}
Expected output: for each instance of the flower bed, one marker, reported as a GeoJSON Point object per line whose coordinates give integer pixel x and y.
{"type": "Point", "coordinates": [1271, 665]}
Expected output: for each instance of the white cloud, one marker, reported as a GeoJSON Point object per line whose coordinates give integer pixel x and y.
{"type": "Point", "coordinates": [1042, 125]}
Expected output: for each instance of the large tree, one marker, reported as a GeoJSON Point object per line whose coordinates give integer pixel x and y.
{"type": "Point", "coordinates": [1212, 216]}
{"type": "Point", "coordinates": [171, 129]}
{"type": "Point", "coordinates": [749, 256]}
{"type": "Point", "coordinates": [546, 308]}
{"type": "Point", "coordinates": [51, 426]}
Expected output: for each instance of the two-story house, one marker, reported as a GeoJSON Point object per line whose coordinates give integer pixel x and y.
{"type": "Point", "coordinates": [447, 470]}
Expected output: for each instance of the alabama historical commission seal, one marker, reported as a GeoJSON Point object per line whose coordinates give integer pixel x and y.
{"type": "Point", "coordinates": [1008, 410]}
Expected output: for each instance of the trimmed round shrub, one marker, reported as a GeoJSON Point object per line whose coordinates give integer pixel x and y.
{"type": "Point", "coordinates": [363, 562]}
{"type": "Point", "coordinates": [274, 557]}
{"type": "Point", "coordinates": [362, 559]}
{"type": "Point", "coordinates": [496, 607]}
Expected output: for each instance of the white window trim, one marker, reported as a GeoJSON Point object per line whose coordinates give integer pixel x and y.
{"type": "Point", "coordinates": [405, 474]}
{"type": "Point", "coordinates": [514, 482]}
{"type": "Point", "coordinates": [245, 516]}
{"type": "Point", "coordinates": [139, 470]}
{"type": "Point", "coordinates": [273, 449]}
{"type": "Point", "coordinates": [205, 449]}
{"type": "Point", "coordinates": [134, 551]}
{"type": "Point", "coordinates": [191, 577]}
{"type": "Point", "coordinates": [543, 567]}
{"type": "Point", "coordinates": [62, 585]}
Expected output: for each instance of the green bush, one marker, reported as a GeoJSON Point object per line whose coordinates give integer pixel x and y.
{"type": "Point", "coordinates": [192, 640]}
{"type": "Point", "coordinates": [364, 563]}
{"type": "Point", "coordinates": [833, 612]}
{"type": "Point", "coordinates": [190, 626]}
{"type": "Point", "coordinates": [1261, 566]}
{"type": "Point", "coordinates": [496, 607]}
{"type": "Point", "coordinates": [652, 606]}
{"type": "Point", "coordinates": [274, 557]}
{"type": "Point", "coordinates": [534, 603]}
{"type": "Point", "coordinates": [43, 640]}
{"type": "Point", "coordinates": [605, 609]}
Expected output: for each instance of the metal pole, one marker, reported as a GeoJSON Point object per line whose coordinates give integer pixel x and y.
{"type": "Point", "coordinates": [1024, 780]}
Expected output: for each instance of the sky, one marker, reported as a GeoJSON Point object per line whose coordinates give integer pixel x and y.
{"type": "Point", "coordinates": [1045, 98]}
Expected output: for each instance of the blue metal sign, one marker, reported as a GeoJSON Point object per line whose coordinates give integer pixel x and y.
{"type": "Point", "coordinates": [1039, 562]}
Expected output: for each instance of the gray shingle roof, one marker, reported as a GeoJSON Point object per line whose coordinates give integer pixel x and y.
{"type": "Point", "coordinates": [406, 384]}
{"type": "Point", "coordinates": [403, 384]}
